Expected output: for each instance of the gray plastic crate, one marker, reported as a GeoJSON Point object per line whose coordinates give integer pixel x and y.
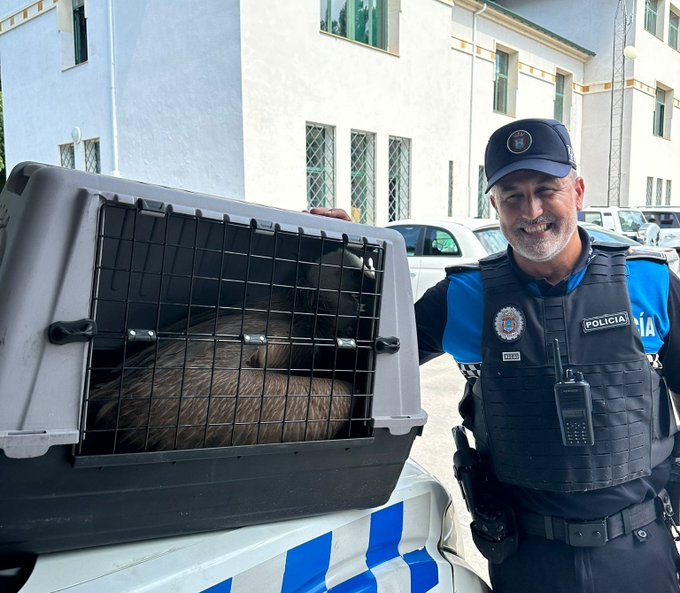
{"type": "Point", "coordinates": [173, 362]}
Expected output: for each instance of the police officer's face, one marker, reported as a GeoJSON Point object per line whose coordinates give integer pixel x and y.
{"type": "Point", "coordinates": [537, 213]}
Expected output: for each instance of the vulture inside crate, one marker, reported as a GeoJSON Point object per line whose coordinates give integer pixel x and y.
{"type": "Point", "coordinates": [278, 366]}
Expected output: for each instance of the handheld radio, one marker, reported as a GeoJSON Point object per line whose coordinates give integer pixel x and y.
{"type": "Point", "coordinates": [574, 404]}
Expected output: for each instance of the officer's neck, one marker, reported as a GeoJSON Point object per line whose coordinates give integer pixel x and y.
{"type": "Point", "coordinates": [556, 269]}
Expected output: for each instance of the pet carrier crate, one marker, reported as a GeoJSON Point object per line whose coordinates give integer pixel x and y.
{"type": "Point", "coordinates": [172, 362]}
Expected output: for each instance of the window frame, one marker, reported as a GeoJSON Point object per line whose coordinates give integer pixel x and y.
{"type": "Point", "coordinates": [674, 29]}
{"type": "Point", "coordinates": [326, 170]}
{"type": "Point", "coordinates": [364, 203]}
{"type": "Point", "coordinates": [501, 76]}
{"type": "Point", "coordinates": [378, 20]}
{"type": "Point", "coordinates": [399, 189]}
{"type": "Point", "coordinates": [651, 21]}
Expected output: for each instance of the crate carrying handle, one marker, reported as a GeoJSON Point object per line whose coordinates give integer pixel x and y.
{"type": "Point", "coordinates": [66, 332]}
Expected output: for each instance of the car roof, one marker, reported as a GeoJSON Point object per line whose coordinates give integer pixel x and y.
{"type": "Point", "coordinates": [473, 224]}
{"type": "Point", "coordinates": [610, 208]}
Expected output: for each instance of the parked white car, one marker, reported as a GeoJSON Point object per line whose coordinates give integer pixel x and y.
{"type": "Point", "coordinates": [433, 245]}
{"type": "Point", "coordinates": [668, 219]}
{"type": "Point", "coordinates": [629, 222]}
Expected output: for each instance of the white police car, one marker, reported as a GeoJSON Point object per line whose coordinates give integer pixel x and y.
{"type": "Point", "coordinates": [408, 545]}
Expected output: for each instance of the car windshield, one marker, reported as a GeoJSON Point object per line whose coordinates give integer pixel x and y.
{"type": "Point", "coordinates": [604, 236]}
{"type": "Point", "coordinates": [491, 239]}
{"type": "Point", "coordinates": [631, 220]}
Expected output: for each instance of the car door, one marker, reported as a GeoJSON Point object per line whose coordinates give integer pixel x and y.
{"type": "Point", "coordinates": [440, 250]}
{"type": "Point", "coordinates": [413, 237]}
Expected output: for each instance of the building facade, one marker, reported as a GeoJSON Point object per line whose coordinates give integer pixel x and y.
{"type": "Point", "coordinates": [651, 103]}
{"type": "Point", "coordinates": [381, 107]}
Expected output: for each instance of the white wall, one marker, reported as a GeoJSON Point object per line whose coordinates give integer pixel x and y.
{"type": "Point", "coordinates": [178, 92]}
{"type": "Point", "coordinates": [215, 97]}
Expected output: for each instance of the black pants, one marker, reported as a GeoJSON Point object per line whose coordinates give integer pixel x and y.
{"type": "Point", "coordinates": [644, 562]}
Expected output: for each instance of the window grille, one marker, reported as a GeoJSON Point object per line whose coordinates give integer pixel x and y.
{"type": "Point", "coordinates": [651, 10]}
{"type": "Point", "coordinates": [67, 152]}
{"type": "Point", "coordinates": [659, 191]}
{"type": "Point", "coordinates": [364, 21]}
{"type": "Point", "coordinates": [650, 188]}
{"type": "Point", "coordinates": [363, 177]}
{"type": "Point", "coordinates": [482, 196]}
{"type": "Point", "coordinates": [659, 112]}
{"type": "Point", "coordinates": [500, 85]}
{"type": "Point", "coordinates": [674, 30]}
{"type": "Point", "coordinates": [79, 31]}
{"type": "Point", "coordinates": [92, 157]}
{"type": "Point", "coordinates": [558, 111]}
{"type": "Point", "coordinates": [399, 178]}
{"type": "Point", "coordinates": [668, 192]}
{"type": "Point", "coordinates": [320, 166]}
{"type": "Point", "coordinates": [450, 210]}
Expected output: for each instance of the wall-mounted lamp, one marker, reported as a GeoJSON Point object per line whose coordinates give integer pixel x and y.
{"type": "Point", "coordinates": [630, 51]}
{"type": "Point", "coordinates": [76, 135]}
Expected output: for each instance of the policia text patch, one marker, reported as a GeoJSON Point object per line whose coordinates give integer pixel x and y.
{"type": "Point", "coordinates": [606, 321]}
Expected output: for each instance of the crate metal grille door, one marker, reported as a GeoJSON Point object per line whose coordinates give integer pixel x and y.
{"type": "Point", "coordinates": [399, 178]}
{"type": "Point", "coordinates": [320, 166]}
{"type": "Point", "coordinates": [214, 334]}
{"type": "Point", "coordinates": [363, 177]}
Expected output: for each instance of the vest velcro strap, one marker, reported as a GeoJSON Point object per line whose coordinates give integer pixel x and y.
{"type": "Point", "coordinates": [596, 532]}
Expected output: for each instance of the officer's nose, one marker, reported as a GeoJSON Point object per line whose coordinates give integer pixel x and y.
{"type": "Point", "coordinates": [533, 207]}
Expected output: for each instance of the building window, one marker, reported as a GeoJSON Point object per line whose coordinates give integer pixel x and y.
{"type": "Point", "coordinates": [79, 31]}
{"type": "Point", "coordinates": [659, 112]}
{"type": "Point", "coordinates": [668, 192]}
{"type": "Point", "coordinates": [363, 177]}
{"type": "Point", "coordinates": [673, 29]}
{"type": "Point", "coordinates": [482, 196]}
{"type": "Point", "coordinates": [92, 158]}
{"type": "Point", "coordinates": [364, 21]}
{"type": "Point", "coordinates": [67, 152]}
{"type": "Point", "coordinates": [500, 85]}
{"type": "Point", "coordinates": [320, 166]}
{"type": "Point", "coordinates": [659, 191]}
{"type": "Point", "coordinates": [558, 111]}
{"type": "Point", "coordinates": [450, 210]}
{"type": "Point", "coordinates": [399, 178]}
{"type": "Point", "coordinates": [650, 187]}
{"type": "Point", "coordinates": [651, 10]}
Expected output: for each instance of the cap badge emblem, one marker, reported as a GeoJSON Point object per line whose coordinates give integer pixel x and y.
{"type": "Point", "coordinates": [509, 324]}
{"type": "Point", "coordinates": [519, 141]}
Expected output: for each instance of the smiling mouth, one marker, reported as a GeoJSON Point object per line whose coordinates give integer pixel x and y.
{"type": "Point", "coordinates": [537, 228]}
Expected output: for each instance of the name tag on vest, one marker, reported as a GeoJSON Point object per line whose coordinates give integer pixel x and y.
{"type": "Point", "coordinates": [606, 321]}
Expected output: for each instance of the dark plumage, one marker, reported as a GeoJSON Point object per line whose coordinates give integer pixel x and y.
{"type": "Point", "coordinates": [211, 390]}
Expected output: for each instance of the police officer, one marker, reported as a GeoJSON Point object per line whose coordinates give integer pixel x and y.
{"type": "Point", "coordinates": [571, 351]}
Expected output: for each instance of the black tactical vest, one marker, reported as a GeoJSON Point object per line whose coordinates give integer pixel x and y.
{"type": "Point", "coordinates": [515, 420]}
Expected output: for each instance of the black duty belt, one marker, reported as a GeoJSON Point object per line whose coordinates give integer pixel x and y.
{"type": "Point", "coordinates": [590, 533]}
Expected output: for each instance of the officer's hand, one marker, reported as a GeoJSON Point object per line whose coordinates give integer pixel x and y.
{"type": "Point", "coordinates": [331, 213]}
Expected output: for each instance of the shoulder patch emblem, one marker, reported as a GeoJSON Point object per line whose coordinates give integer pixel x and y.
{"type": "Point", "coordinates": [509, 324]}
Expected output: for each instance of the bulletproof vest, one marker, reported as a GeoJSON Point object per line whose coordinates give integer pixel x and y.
{"type": "Point", "coordinates": [515, 419]}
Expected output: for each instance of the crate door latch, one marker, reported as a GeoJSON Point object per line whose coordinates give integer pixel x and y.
{"type": "Point", "coordinates": [65, 332]}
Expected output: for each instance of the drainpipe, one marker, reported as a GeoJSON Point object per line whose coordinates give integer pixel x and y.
{"type": "Point", "coordinates": [472, 102]}
{"type": "Point", "coordinates": [112, 89]}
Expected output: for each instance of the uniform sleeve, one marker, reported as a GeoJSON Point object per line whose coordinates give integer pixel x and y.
{"type": "Point", "coordinates": [431, 318]}
{"type": "Point", "coordinates": [670, 352]}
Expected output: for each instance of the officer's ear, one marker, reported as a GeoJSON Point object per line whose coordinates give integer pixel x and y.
{"type": "Point", "coordinates": [580, 188]}
{"type": "Point", "coordinates": [492, 198]}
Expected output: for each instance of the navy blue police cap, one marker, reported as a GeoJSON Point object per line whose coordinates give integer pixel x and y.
{"type": "Point", "coordinates": [541, 145]}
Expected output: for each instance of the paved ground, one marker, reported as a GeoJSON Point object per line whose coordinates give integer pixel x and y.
{"type": "Point", "coordinates": [441, 385]}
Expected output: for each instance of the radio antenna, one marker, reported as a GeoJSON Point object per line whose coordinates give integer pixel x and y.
{"type": "Point", "coordinates": [557, 359]}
